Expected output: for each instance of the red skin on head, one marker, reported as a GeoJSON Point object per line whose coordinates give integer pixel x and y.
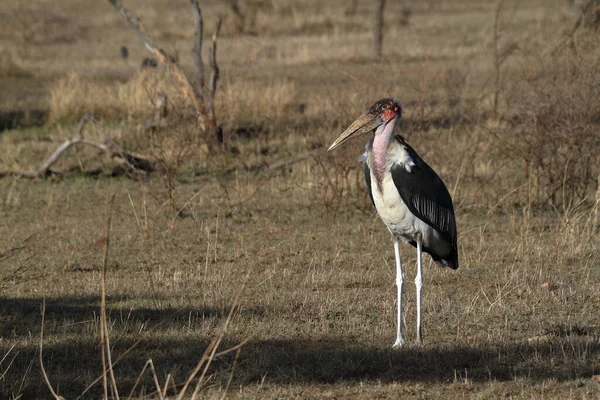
{"type": "Point", "coordinates": [389, 114]}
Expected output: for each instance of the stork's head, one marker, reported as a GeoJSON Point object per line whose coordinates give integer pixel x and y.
{"type": "Point", "coordinates": [380, 114]}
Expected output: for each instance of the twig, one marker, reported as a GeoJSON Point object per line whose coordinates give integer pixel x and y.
{"type": "Point", "coordinates": [56, 396]}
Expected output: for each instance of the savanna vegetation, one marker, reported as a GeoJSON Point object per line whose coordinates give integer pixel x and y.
{"type": "Point", "coordinates": [246, 262]}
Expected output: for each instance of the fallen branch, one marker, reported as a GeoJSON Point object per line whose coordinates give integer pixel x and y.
{"type": "Point", "coordinates": [133, 162]}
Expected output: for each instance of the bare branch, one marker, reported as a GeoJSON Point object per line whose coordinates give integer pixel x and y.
{"type": "Point", "coordinates": [166, 59]}
{"type": "Point", "coordinates": [379, 25]}
{"type": "Point", "coordinates": [214, 77]}
{"type": "Point", "coordinates": [45, 167]}
{"type": "Point", "coordinates": [197, 51]}
{"type": "Point", "coordinates": [497, 58]}
{"type": "Point", "coordinates": [214, 67]}
{"type": "Point", "coordinates": [133, 22]}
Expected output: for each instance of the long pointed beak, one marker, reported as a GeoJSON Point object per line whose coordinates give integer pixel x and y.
{"type": "Point", "coordinates": [365, 123]}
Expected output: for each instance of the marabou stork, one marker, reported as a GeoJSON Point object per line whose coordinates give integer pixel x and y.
{"type": "Point", "coordinates": [410, 198]}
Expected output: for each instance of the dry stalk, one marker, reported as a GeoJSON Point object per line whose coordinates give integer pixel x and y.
{"type": "Point", "coordinates": [56, 396]}
{"type": "Point", "coordinates": [104, 336]}
{"type": "Point", "coordinates": [211, 351]}
{"type": "Point", "coordinates": [159, 391]}
{"type": "Point", "coordinates": [10, 363]}
{"type": "Point", "coordinates": [235, 360]}
{"type": "Point", "coordinates": [209, 354]}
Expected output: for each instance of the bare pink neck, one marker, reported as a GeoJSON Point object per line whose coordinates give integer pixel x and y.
{"type": "Point", "coordinates": [383, 136]}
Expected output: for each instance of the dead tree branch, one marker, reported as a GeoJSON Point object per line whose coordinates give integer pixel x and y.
{"type": "Point", "coordinates": [497, 58]}
{"type": "Point", "coordinates": [197, 50]}
{"type": "Point", "coordinates": [133, 162]}
{"type": "Point", "coordinates": [379, 26]}
{"type": "Point", "coordinates": [135, 23]}
{"type": "Point", "coordinates": [214, 77]}
{"type": "Point", "coordinates": [204, 113]}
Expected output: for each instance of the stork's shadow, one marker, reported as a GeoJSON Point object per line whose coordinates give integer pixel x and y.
{"type": "Point", "coordinates": [73, 361]}
{"type": "Point", "coordinates": [288, 361]}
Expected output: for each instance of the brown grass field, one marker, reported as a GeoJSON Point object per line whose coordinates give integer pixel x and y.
{"type": "Point", "coordinates": [520, 318]}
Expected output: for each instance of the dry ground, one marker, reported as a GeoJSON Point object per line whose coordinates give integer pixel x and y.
{"type": "Point", "coordinates": [518, 319]}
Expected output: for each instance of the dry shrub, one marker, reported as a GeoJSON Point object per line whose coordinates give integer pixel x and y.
{"type": "Point", "coordinates": [555, 128]}
{"type": "Point", "coordinates": [73, 96]}
{"type": "Point", "coordinates": [578, 228]}
{"type": "Point", "coordinates": [172, 147]}
{"type": "Point", "coordinates": [339, 179]}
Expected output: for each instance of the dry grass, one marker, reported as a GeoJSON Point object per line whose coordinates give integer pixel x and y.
{"type": "Point", "coordinates": [517, 320]}
{"type": "Point", "coordinates": [73, 96]}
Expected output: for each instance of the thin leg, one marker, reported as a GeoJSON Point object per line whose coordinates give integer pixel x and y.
{"type": "Point", "coordinates": [399, 279]}
{"type": "Point", "coordinates": [419, 285]}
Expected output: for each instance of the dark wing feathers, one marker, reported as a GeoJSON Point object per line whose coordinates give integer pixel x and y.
{"type": "Point", "coordinates": [368, 180]}
{"type": "Point", "coordinates": [425, 195]}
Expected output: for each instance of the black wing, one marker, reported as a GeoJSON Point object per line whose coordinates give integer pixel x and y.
{"type": "Point", "coordinates": [368, 180]}
{"type": "Point", "coordinates": [425, 195]}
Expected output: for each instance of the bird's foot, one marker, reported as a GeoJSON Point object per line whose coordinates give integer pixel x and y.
{"type": "Point", "coordinates": [419, 342]}
{"type": "Point", "coordinates": [399, 343]}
